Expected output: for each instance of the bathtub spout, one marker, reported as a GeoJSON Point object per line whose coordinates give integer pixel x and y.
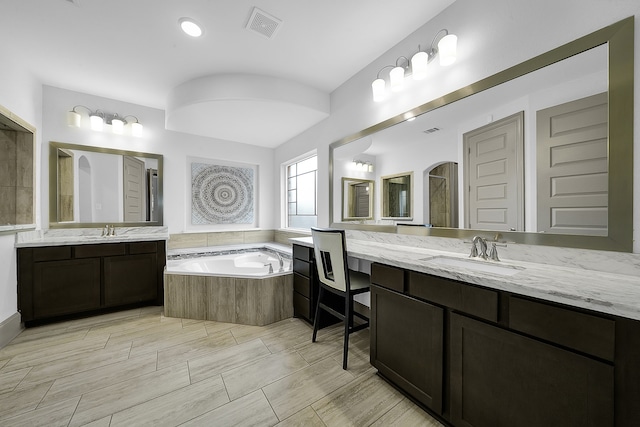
{"type": "Point", "coordinates": [281, 261]}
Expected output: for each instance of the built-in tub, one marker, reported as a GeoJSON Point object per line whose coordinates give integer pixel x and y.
{"type": "Point", "coordinates": [251, 285]}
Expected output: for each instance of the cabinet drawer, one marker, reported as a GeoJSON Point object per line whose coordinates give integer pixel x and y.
{"type": "Point", "coordinates": [476, 301]}
{"type": "Point", "coordinates": [302, 252]}
{"type": "Point", "coordinates": [302, 267]}
{"type": "Point", "coordinates": [51, 253]}
{"type": "Point", "coordinates": [95, 251]}
{"type": "Point", "coordinates": [301, 306]}
{"type": "Point", "coordinates": [143, 248]}
{"type": "Point", "coordinates": [301, 285]}
{"type": "Point", "coordinates": [579, 331]}
{"type": "Point", "coordinates": [388, 277]}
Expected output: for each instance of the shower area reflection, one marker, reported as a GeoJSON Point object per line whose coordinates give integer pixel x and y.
{"type": "Point", "coordinates": [443, 195]}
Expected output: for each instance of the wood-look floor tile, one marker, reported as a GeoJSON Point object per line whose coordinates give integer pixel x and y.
{"type": "Point", "coordinates": [161, 328]}
{"type": "Point", "coordinates": [155, 342]}
{"type": "Point", "coordinates": [104, 376]}
{"type": "Point", "coordinates": [17, 402]}
{"type": "Point", "coordinates": [306, 417]}
{"type": "Point", "coordinates": [115, 398]}
{"type": "Point", "coordinates": [9, 380]}
{"type": "Point", "coordinates": [406, 413]}
{"type": "Point", "coordinates": [244, 333]}
{"type": "Point", "coordinates": [287, 336]}
{"type": "Point", "coordinates": [250, 410]}
{"type": "Point", "coordinates": [3, 362]}
{"type": "Point", "coordinates": [52, 353]}
{"type": "Point", "coordinates": [292, 393]}
{"type": "Point", "coordinates": [253, 376]}
{"type": "Point", "coordinates": [102, 422]}
{"type": "Point", "coordinates": [215, 327]}
{"type": "Point", "coordinates": [176, 407]}
{"type": "Point", "coordinates": [54, 415]}
{"type": "Point", "coordinates": [358, 403]}
{"type": "Point", "coordinates": [77, 363]}
{"type": "Point", "coordinates": [58, 341]}
{"type": "Point", "coordinates": [226, 359]}
{"type": "Point", "coordinates": [195, 348]}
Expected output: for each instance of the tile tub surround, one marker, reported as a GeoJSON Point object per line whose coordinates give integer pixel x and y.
{"type": "Point", "coordinates": [570, 283]}
{"type": "Point", "coordinates": [249, 301]}
{"type": "Point", "coordinates": [79, 236]}
{"type": "Point", "coordinates": [256, 301]}
{"type": "Point", "coordinates": [218, 238]}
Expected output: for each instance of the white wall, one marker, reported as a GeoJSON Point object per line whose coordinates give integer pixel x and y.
{"type": "Point", "coordinates": [22, 95]}
{"type": "Point", "coordinates": [175, 147]}
{"type": "Point", "coordinates": [492, 35]}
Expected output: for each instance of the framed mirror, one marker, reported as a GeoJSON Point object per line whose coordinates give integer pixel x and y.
{"type": "Point", "coordinates": [357, 199]}
{"type": "Point", "coordinates": [397, 194]}
{"type": "Point", "coordinates": [91, 186]}
{"type": "Point", "coordinates": [599, 62]}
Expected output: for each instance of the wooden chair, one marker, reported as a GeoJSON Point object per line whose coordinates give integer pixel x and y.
{"type": "Point", "coordinates": [335, 277]}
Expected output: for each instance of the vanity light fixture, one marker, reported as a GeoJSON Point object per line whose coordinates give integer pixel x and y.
{"type": "Point", "coordinates": [361, 165]}
{"type": "Point", "coordinates": [190, 27]}
{"type": "Point", "coordinates": [445, 48]}
{"type": "Point", "coordinates": [98, 118]}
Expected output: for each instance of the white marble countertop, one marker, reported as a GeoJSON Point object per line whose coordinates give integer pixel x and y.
{"type": "Point", "coordinates": [616, 294]}
{"type": "Point", "coordinates": [88, 236]}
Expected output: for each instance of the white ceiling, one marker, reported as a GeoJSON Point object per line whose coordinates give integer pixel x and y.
{"type": "Point", "coordinates": [133, 50]}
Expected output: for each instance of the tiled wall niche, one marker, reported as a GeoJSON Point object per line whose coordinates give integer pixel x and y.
{"type": "Point", "coordinates": [17, 178]}
{"type": "Point", "coordinates": [221, 238]}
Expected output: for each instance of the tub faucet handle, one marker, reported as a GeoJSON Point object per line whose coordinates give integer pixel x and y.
{"type": "Point", "coordinates": [270, 267]}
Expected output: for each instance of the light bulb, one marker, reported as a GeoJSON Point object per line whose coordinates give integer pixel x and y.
{"type": "Point", "coordinates": [419, 65]}
{"type": "Point", "coordinates": [378, 87]}
{"type": "Point", "coordinates": [136, 129]}
{"type": "Point", "coordinates": [117, 126]}
{"type": "Point", "coordinates": [73, 119]}
{"type": "Point", "coordinates": [447, 49]}
{"type": "Point", "coordinates": [190, 27]}
{"type": "Point", "coordinates": [96, 122]}
{"type": "Point", "coordinates": [396, 75]}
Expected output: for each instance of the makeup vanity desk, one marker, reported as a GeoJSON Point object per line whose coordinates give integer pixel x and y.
{"type": "Point", "coordinates": [520, 344]}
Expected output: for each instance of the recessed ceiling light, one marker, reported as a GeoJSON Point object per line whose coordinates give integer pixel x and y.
{"type": "Point", "coordinates": [190, 27]}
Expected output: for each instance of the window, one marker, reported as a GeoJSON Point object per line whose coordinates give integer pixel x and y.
{"type": "Point", "coordinates": [301, 193]}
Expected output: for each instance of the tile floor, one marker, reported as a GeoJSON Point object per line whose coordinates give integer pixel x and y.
{"type": "Point", "coordinates": [138, 367]}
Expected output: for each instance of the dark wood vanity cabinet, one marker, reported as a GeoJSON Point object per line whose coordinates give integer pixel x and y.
{"type": "Point", "coordinates": [59, 281]}
{"type": "Point", "coordinates": [306, 288]}
{"type": "Point", "coordinates": [479, 357]}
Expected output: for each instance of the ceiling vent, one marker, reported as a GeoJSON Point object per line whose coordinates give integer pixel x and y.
{"type": "Point", "coordinates": [264, 24]}
{"type": "Point", "coordinates": [432, 130]}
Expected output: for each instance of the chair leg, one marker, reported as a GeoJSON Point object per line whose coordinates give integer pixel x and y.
{"type": "Point", "coordinates": [316, 317]}
{"type": "Point", "coordinates": [347, 321]}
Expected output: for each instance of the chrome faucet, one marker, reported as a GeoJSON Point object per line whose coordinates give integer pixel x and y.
{"type": "Point", "coordinates": [281, 261]}
{"type": "Point", "coordinates": [483, 247]}
{"type": "Point", "coordinates": [493, 252]}
{"type": "Point", "coordinates": [108, 230]}
{"type": "Point", "coordinates": [270, 267]}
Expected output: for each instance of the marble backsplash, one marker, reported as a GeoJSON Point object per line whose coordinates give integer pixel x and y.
{"type": "Point", "coordinates": [605, 261]}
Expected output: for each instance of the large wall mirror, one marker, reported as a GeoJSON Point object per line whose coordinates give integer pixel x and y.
{"type": "Point", "coordinates": [543, 151]}
{"type": "Point", "coordinates": [91, 185]}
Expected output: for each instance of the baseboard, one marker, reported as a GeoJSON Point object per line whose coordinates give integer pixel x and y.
{"type": "Point", "coordinates": [10, 328]}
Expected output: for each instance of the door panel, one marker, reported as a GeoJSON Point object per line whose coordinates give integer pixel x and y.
{"type": "Point", "coordinates": [572, 167]}
{"type": "Point", "coordinates": [134, 190]}
{"type": "Point", "coordinates": [494, 177]}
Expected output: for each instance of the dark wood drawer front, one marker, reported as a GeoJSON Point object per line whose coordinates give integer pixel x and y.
{"type": "Point", "coordinates": [94, 251]}
{"type": "Point", "coordinates": [51, 253]}
{"type": "Point", "coordinates": [143, 248]}
{"type": "Point", "coordinates": [301, 306]}
{"type": "Point", "coordinates": [579, 331]}
{"type": "Point", "coordinates": [388, 277]}
{"type": "Point", "coordinates": [302, 252]}
{"type": "Point", "coordinates": [301, 285]}
{"type": "Point", "coordinates": [469, 299]}
{"type": "Point", "coordinates": [302, 267]}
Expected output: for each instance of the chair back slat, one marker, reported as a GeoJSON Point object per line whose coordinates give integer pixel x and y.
{"type": "Point", "coordinates": [329, 249]}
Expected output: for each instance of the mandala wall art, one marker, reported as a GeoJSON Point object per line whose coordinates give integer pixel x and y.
{"type": "Point", "coordinates": [222, 194]}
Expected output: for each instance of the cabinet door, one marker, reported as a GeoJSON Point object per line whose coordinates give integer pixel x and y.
{"type": "Point", "coordinates": [130, 279]}
{"type": "Point", "coordinates": [502, 379]}
{"type": "Point", "coordinates": [65, 287]}
{"type": "Point", "coordinates": [406, 344]}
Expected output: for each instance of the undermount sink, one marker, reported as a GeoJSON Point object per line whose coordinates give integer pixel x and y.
{"type": "Point", "coordinates": [476, 265]}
